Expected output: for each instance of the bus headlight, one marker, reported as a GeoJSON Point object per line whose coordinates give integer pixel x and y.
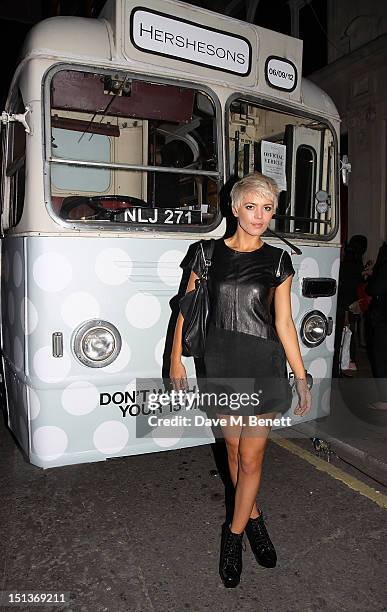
{"type": "Point", "coordinates": [97, 343]}
{"type": "Point", "coordinates": [314, 328]}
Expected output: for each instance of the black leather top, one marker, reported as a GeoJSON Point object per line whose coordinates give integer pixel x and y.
{"type": "Point", "coordinates": [242, 286]}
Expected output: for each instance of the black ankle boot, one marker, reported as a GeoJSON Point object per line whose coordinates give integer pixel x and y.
{"type": "Point", "coordinates": [260, 542]}
{"type": "Point", "coordinates": [230, 565]}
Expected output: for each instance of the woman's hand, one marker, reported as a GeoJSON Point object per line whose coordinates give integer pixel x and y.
{"type": "Point", "coordinates": [177, 372]}
{"type": "Point", "coordinates": [304, 397]}
{"type": "Point", "coordinates": [178, 376]}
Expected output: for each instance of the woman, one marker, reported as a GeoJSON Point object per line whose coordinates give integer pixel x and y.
{"type": "Point", "coordinates": [244, 350]}
{"type": "Point", "coordinates": [377, 288]}
{"type": "Point", "coordinates": [350, 277]}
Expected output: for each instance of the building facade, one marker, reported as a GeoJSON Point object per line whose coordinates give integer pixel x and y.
{"type": "Point", "coordinates": [356, 79]}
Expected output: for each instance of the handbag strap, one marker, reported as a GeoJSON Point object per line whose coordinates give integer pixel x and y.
{"type": "Point", "coordinates": [210, 251]}
{"type": "Point", "coordinates": [278, 273]}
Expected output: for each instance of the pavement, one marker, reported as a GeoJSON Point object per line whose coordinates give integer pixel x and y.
{"type": "Point", "coordinates": [142, 533]}
{"type": "Point", "coordinates": [355, 433]}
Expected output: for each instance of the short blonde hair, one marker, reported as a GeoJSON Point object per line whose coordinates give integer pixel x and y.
{"type": "Point", "coordinates": [259, 183]}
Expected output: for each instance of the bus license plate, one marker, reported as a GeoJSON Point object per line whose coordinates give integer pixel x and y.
{"type": "Point", "coordinates": [167, 216]}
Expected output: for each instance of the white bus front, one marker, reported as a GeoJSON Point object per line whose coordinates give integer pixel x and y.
{"type": "Point", "coordinates": [129, 147]}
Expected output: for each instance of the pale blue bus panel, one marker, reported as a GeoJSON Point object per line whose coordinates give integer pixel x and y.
{"type": "Point", "coordinates": [62, 411]}
{"type": "Point", "coordinates": [129, 283]}
{"type": "Point", "coordinates": [14, 308]}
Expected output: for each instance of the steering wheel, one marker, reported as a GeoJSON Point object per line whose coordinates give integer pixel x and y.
{"type": "Point", "coordinates": [73, 202]}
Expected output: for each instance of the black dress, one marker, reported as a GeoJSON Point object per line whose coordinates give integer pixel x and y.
{"type": "Point", "coordinates": [243, 353]}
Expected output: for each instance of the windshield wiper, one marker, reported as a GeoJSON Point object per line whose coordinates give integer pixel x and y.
{"type": "Point", "coordinates": [105, 111]}
{"type": "Point", "coordinates": [289, 244]}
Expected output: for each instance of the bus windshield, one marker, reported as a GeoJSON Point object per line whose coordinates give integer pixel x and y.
{"type": "Point", "coordinates": [128, 151]}
{"type": "Point", "coordinates": [299, 153]}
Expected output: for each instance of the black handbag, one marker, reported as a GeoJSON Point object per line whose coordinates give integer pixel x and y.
{"type": "Point", "coordinates": [195, 308]}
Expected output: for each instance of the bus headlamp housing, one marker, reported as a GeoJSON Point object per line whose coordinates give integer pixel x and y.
{"type": "Point", "coordinates": [314, 328]}
{"type": "Point", "coordinates": [97, 343]}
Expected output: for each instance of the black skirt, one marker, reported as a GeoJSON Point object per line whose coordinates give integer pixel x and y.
{"type": "Point", "coordinates": [245, 374]}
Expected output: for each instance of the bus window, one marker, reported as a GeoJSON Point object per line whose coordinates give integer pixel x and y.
{"type": "Point", "coordinates": [15, 170]}
{"type": "Point", "coordinates": [69, 144]}
{"type": "Point", "coordinates": [298, 152]}
{"type": "Point", "coordinates": [306, 160]}
{"type": "Point", "coordinates": [128, 151]}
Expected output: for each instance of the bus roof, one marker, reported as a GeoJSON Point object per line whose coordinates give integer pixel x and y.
{"type": "Point", "coordinates": [174, 39]}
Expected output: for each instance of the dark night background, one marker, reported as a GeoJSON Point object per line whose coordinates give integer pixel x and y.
{"type": "Point", "coordinates": [16, 18]}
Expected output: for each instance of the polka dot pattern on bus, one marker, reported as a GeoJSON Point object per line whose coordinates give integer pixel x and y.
{"type": "Point", "coordinates": [50, 442]}
{"type": "Point", "coordinates": [78, 307]}
{"type": "Point", "coordinates": [110, 437]}
{"type": "Point", "coordinates": [122, 361]}
{"type": "Point", "coordinates": [309, 267]}
{"type": "Point", "coordinates": [52, 272]}
{"type": "Point", "coordinates": [335, 268]}
{"type": "Point", "coordinates": [143, 310]}
{"type": "Point", "coordinates": [48, 369]}
{"type": "Point", "coordinates": [72, 412]}
{"type": "Point", "coordinates": [168, 267]}
{"type": "Point", "coordinates": [34, 403]}
{"type": "Point", "coordinates": [113, 266]}
{"type": "Point", "coordinates": [29, 322]}
{"type": "Point", "coordinates": [17, 269]}
{"type": "Point", "coordinates": [330, 340]}
{"type": "Point", "coordinates": [318, 368]}
{"type": "Point", "coordinates": [159, 350]}
{"type": "Point", "coordinates": [80, 398]}
{"type": "Point", "coordinates": [295, 304]}
{"type": "Point", "coordinates": [161, 436]}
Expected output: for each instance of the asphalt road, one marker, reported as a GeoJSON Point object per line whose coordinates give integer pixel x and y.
{"type": "Point", "coordinates": [142, 534]}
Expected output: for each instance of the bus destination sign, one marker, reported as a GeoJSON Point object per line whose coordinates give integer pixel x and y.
{"type": "Point", "coordinates": [183, 40]}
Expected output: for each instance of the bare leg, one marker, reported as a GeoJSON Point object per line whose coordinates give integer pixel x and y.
{"type": "Point", "coordinates": [245, 467]}
{"type": "Point", "coordinates": [251, 450]}
{"type": "Point", "coordinates": [251, 454]}
{"type": "Point", "coordinates": [232, 435]}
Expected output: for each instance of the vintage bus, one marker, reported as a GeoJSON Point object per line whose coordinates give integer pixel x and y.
{"type": "Point", "coordinates": [120, 138]}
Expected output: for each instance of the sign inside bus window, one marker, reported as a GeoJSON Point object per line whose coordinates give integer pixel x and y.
{"type": "Point", "coordinates": [183, 40]}
{"type": "Point", "coordinates": [164, 216]}
{"type": "Point", "coordinates": [281, 73]}
{"type": "Point", "coordinates": [273, 162]}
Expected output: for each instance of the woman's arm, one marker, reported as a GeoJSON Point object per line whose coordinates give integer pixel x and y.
{"type": "Point", "coordinates": [285, 328]}
{"type": "Point", "coordinates": [177, 372]}
{"type": "Point", "coordinates": [288, 336]}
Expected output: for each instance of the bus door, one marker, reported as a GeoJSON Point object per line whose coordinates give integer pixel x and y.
{"type": "Point", "coordinates": [311, 149]}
